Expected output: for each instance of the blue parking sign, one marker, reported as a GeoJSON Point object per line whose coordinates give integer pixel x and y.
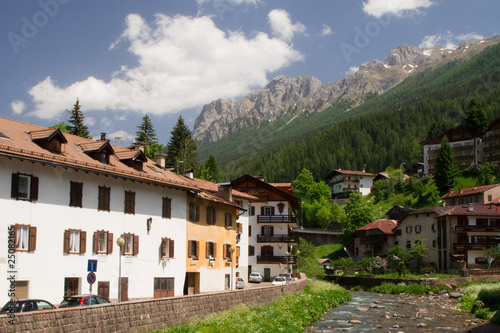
{"type": "Point", "coordinates": [92, 266]}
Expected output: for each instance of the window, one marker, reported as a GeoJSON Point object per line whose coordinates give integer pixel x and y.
{"type": "Point", "coordinates": [211, 250]}
{"type": "Point", "coordinates": [227, 281]}
{"type": "Point", "coordinates": [227, 253]}
{"type": "Point", "coordinates": [267, 210]}
{"type": "Point", "coordinates": [251, 212]}
{"type": "Point", "coordinates": [210, 215]}
{"type": "Point", "coordinates": [418, 229]}
{"type": "Point", "coordinates": [490, 197]}
{"type": "Point", "coordinates": [249, 231]}
{"type": "Point", "coordinates": [102, 242]}
{"type": "Point", "coordinates": [434, 227]}
{"type": "Point", "coordinates": [167, 248]}
{"type": "Point", "coordinates": [229, 221]}
{"type": "Point", "coordinates": [166, 208]}
{"type": "Point", "coordinates": [24, 187]}
{"type": "Point", "coordinates": [75, 194]}
{"type": "Point", "coordinates": [398, 232]}
{"type": "Point", "coordinates": [71, 286]}
{"type": "Point", "coordinates": [434, 243]}
{"type": "Point", "coordinates": [75, 241]}
{"type": "Point", "coordinates": [129, 202]}
{"type": "Point", "coordinates": [131, 246]}
{"type": "Point", "coordinates": [239, 228]}
{"type": "Point", "coordinates": [104, 158]}
{"type": "Point", "coordinates": [194, 212]}
{"type": "Point", "coordinates": [104, 195]}
{"type": "Point", "coordinates": [408, 244]}
{"type": "Point", "coordinates": [25, 236]}
{"type": "Point", "coordinates": [408, 229]}
{"type": "Point", "coordinates": [193, 249]}
{"type": "Point", "coordinates": [267, 250]}
{"type": "Point", "coordinates": [163, 287]}
{"type": "Point", "coordinates": [251, 250]}
{"type": "Point", "coordinates": [267, 230]}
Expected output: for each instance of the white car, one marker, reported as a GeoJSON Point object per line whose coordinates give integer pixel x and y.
{"type": "Point", "coordinates": [279, 281]}
{"type": "Point", "coordinates": [240, 283]}
{"type": "Point", "coordinates": [287, 276]}
{"type": "Point", "coordinates": [255, 277]}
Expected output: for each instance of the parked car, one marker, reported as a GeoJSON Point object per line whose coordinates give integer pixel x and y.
{"type": "Point", "coordinates": [279, 281]}
{"type": "Point", "coordinates": [287, 276]}
{"type": "Point", "coordinates": [255, 277]}
{"type": "Point", "coordinates": [240, 283]}
{"type": "Point", "coordinates": [82, 300]}
{"type": "Point", "coordinates": [26, 305]}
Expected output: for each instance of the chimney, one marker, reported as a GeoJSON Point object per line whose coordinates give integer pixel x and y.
{"type": "Point", "coordinates": [189, 174]}
{"type": "Point", "coordinates": [225, 191]}
{"type": "Point", "coordinates": [138, 146]}
{"type": "Point", "coordinates": [103, 136]}
{"type": "Point", "coordinates": [160, 161]}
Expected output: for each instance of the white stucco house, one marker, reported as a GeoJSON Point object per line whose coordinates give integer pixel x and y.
{"type": "Point", "coordinates": [345, 182]}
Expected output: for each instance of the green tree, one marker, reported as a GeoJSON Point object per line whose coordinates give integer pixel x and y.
{"type": "Point", "coordinates": [302, 184]}
{"type": "Point", "coordinates": [181, 149]}
{"type": "Point", "coordinates": [492, 253]}
{"type": "Point", "coordinates": [446, 170]}
{"type": "Point", "coordinates": [399, 258]}
{"type": "Point", "coordinates": [308, 262]}
{"type": "Point", "coordinates": [146, 135]}
{"type": "Point", "coordinates": [419, 251]}
{"type": "Point", "coordinates": [487, 174]}
{"type": "Point", "coordinates": [77, 127]}
{"type": "Point", "coordinates": [63, 126]}
{"type": "Point", "coordinates": [213, 168]}
{"type": "Point", "coordinates": [204, 173]}
{"type": "Point", "coordinates": [358, 214]}
{"type": "Point", "coordinates": [476, 122]}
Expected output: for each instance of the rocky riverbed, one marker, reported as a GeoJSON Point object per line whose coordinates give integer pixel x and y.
{"type": "Point", "coordinates": [373, 312]}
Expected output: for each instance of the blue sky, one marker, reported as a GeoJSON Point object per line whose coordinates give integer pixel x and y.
{"type": "Point", "coordinates": [124, 58]}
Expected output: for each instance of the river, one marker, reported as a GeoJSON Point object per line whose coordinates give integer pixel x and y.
{"type": "Point", "coordinates": [373, 312]}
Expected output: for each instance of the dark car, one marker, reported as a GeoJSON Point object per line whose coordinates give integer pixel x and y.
{"type": "Point", "coordinates": [82, 300]}
{"type": "Point", "coordinates": [26, 305]}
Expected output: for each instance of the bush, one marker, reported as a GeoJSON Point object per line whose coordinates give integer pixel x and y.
{"type": "Point", "coordinates": [482, 300]}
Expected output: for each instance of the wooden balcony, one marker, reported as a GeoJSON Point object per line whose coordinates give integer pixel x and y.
{"type": "Point", "coordinates": [477, 228]}
{"type": "Point", "coordinates": [276, 260]}
{"type": "Point", "coordinates": [277, 219]}
{"type": "Point", "coordinates": [275, 239]}
{"type": "Point", "coordinates": [464, 246]}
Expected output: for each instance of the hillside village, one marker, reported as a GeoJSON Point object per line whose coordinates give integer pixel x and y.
{"type": "Point", "coordinates": [162, 234]}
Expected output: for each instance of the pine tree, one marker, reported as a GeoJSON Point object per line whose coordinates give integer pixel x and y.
{"type": "Point", "coordinates": [446, 170]}
{"type": "Point", "coordinates": [213, 168]}
{"type": "Point", "coordinates": [77, 126]}
{"type": "Point", "coordinates": [181, 149]}
{"type": "Point", "coordinates": [476, 122]}
{"type": "Point", "coordinates": [146, 135]}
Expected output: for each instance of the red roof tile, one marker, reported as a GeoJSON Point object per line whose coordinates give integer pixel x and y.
{"type": "Point", "coordinates": [386, 226]}
{"type": "Point", "coordinates": [469, 191]}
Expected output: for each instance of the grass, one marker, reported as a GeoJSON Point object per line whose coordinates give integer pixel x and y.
{"type": "Point", "coordinates": [328, 251]}
{"type": "Point", "coordinates": [411, 288]}
{"type": "Point", "coordinates": [482, 300]}
{"type": "Point", "coordinates": [288, 314]}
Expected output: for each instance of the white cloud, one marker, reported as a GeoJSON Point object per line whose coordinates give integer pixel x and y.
{"type": "Point", "coordinates": [352, 70]}
{"type": "Point", "coordinates": [282, 26]}
{"type": "Point", "coordinates": [378, 8]}
{"type": "Point", "coordinates": [327, 30]}
{"type": "Point", "coordinates": [90, 121]}
{"type": "Point", "coordinates": [447, 40]}
{"type": "Point", "coordinates": [469, 37]}
{"type": "Point", "coordinates": [17, 107]}
{"type": "Point", "coordinates": [183, 62]}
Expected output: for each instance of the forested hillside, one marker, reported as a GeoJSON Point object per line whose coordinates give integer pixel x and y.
{"type": "Point", "coordinates": [383, 131]}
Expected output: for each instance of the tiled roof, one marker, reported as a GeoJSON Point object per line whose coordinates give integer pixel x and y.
{"type": "Point", "coordinates": [386, 226]}
{"type": "Point", "coordinates": [44, 134]}
{"type": "Point", "coordinates": [93, 146]}
{"type": "Point", "coordinates": [349, 172]}
{"type": "Point", "coordinates": [469, 191]}
{"type": "Point", "coordinates": [472, 210]}
{"type": "Point", "coordinates": [19, 144]}
{"type": "Point", "coordinates": [212, 187]}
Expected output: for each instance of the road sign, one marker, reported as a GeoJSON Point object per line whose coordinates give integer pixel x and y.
{"type": "Point", "coordinates": [92, 265]}
{"type": "Point", "coordinates": [91, 278]}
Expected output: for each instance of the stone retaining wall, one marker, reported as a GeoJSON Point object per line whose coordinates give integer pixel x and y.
{"type": "Point", "coordinates": [144, 316]}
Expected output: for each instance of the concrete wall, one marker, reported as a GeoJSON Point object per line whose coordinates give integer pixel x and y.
{"type": "Point", "coordinates": [143, 316]}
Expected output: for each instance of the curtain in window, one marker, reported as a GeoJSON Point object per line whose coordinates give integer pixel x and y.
{"type": "Point", "coordinates": [22, 238]}
{"type": "Point", "coordinates": [74, 241]}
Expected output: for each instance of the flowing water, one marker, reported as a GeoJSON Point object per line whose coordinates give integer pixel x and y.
{"type": "Point", "coordinates": [372, 312]}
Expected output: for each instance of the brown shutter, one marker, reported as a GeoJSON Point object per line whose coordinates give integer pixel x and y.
{"type": "Point", "coordinates": [95, 242]}
{"type": "Point", "coordinates": [109, 248]}
{"type": "Point", "coordinates": [15, 237]}
{"type": "Point", "coordinates": [162, 247]}
{"type": "Point", "coordinates": [272, 231]}
{"type": "Point", "coordinates": [224, 252]}
{"type": "Point", "coordinates": [14, 192]}
{"type": "Point", "coordinates": [262, 230]}
{"type": "Point", "coordinates": [272, 210]}
{"type": "Point", "coordinates": [189, 249]}
{"type": "Point", "coordinates": [215, 250]}
{"type": "Point", "coordinates": [34, 189]}
{"type": "Point", "coordinates": [32, 241]}
{"type": "Point", "coordinates": [83, 242]}
{"type": "Point", "coordinates": [197, 249]}
{"type": "Point", "coordinates": [136, 245]}
{"type": "Point", "coordinates": [171, 254]}
{"type": "Point", "coordinates": [262, 210]}
{"type": "Point", "coordinates": [207, 249]}
{"type": "Point", "coordinates": [67, 234]}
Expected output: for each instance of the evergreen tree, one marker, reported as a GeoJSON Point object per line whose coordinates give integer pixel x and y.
{"type": "Point", "coordinates": [181, 149]}
{"type": "Point", "coordinates": [446, 170]}
{"type": "Point", "coordinates": [77, 126]}
{"type": "Point", "coordinates": [476, 122]}
{"type": "Point", "coordinates": [213, 168]}
{"type": "Point", "coordinates": [146, 135]}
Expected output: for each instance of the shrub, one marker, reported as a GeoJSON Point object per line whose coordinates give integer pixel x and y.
{"type": "Point", "coordinates": [482, 300]}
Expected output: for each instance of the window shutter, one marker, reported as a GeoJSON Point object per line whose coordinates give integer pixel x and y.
{"type": "Point", "coordinates": [224, 250]}
{"type": "Point", "coordinates": [262, 230]}
{"type": "Point", "coordinates": [83, 242]}
{"type": "Point", "coordinates": [15, 236]}
{"type": "Point", "coordinates": [109, 248]}
{"type": "Point", "coordinates": [122, 248]}
{"type": "Point", "coordinates": [207, 249]}
{"type": "Point", "coordinates": [95, 242]}
{"type": "Point", "coordinates": [162, 247]}
{"type": "Point", "coordinates": [272, 230]}
{"type": "Point", "coordinates": [272, 210]}
{"type": "Point", "coordinates": [14, 193]}
{"type": "Point", "coordinates": [34, 189]}
{"type": "Point", "coordinates": [136, 245]}
{"type": "Point", "coordinates": [32, 241]}
{"type": "Point", "coordinates": [215, 250]}
{"type": "Point", "coordinates": [189, 249]}
{"type": "Point", "coordinates": [197, 249]}
{"type": "Point", "coordinates": [67, 234]}
{"type": "Point", "coordinates": [262, 210]}
{"type": "Point", "coordinates": [171, 248]}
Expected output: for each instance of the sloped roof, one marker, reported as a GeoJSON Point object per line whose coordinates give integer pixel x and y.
{"type": "Point", "coordinates": [130, 154]}
{"type": "Point", "coordinates": [20, 145]}
{"type": "Point", "coordinates": [469, 191]}
{"type": "Point", "coordinates": [47, 134]}
{"type": "Point", "coordinates": [386, 226]}
{"type": "Point", "coordinates": [349, 172]}
{"type": "Point", "coordinates": [472, 210]}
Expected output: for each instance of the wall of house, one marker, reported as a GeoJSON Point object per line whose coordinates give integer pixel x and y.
{"type": "Point", "coordinates": [143, 315]}
{"type": "Point", "coordinates": [52, 215]}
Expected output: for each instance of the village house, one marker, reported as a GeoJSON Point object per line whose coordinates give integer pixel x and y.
{"type": "Point", "coordinates": [344, 182]}
{"type": "Point", "coordinates": [374, 239]}
{"type": "Point", "coordinates": [480, 195]}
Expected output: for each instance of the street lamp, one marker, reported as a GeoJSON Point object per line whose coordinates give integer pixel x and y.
{"type": "Point", "coordinates": [120, 241]}
{"type": "Point", "coordinates": [298, 263]}
{"type": "Point", "coordinates": [231, 250]}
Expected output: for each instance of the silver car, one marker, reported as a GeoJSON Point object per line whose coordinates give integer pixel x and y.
{"type": "Point", "coordinates": [255, 277]}
{"type": "Point", "coordinates": [240, 283]}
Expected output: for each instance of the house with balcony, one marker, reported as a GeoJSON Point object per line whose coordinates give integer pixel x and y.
{"type": "Point", "coordinates": [374, 239]}
{"type": "Point", "coordinates": [67, 199]}
{"type": "Point", "coordinates": [345, 182]}
{"type": "Point", "coordinates": [271, 245]}
{"type": "Point", "coordinates": [480, 195]}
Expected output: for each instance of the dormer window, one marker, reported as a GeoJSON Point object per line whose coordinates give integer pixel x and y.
{"type": "Point", "coordinates": [104, 158]}
{"type": "Point", "coordinates": [132, 158]}
{"type": "Point", "coordinates": [51, 139]}
{"type": "Point", "coordinates": [98, 150]}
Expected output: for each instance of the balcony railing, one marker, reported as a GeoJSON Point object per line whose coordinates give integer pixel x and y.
{"type": "Point", "coordinates": [275, 239]}
{"type": "Point", "coordinates": [477, 228]}
{"type": "Point", "coordinates": [461, 246]}
{"type": "Point", "coordinates": [276, 260]}
{"type": "Point", "coordinates": [276, 219]}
